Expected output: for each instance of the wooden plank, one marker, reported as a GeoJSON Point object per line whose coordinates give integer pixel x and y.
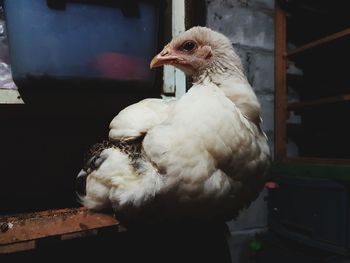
{"type": "Point", "coordinates": [18, 229]}
{"type": "Point", "coordinates": [317, 170]}
{"type": "Point", "coordinates": [315, 160]}
{"type": "Point", "coordinates": [323, 101]}
{"type": "Point", "coordinates": [280, 84]}
{"type": "Point", "coordinates": [319, 42]}
{"type": "Point", "coordinates": [17, 247]}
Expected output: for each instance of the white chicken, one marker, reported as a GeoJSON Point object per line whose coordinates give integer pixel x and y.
{"type": "Point", "coordinates": [201, 156]}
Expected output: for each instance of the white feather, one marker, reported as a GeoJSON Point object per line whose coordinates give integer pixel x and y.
{"type": "Point", "coordinates": [138, 118]}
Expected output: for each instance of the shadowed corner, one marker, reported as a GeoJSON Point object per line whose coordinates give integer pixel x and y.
{"type": "Point", "coordinates": [80, 185]}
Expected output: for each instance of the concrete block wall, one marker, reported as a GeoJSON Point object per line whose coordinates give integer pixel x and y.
{"type": "Point", "coordinates": [250, 26]}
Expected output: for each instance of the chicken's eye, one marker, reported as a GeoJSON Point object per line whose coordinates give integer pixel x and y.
{"type": "Point", "coordinates": [188, 46]}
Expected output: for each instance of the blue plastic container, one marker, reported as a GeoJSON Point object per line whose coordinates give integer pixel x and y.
{"type": "Point", "coordinates": [82, 41]}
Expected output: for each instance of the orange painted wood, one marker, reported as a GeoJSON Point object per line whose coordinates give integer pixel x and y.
{"type": "Point", "coordinates": [16, 230]}
{"type": "Point", "coordinates": [323, 101]}
{"type": "Point", "coordinates": [313, 160]}
{"type": "Point", "coordinates": [319, 42]}
{"type": "Point", "coordinates": [280, 84]}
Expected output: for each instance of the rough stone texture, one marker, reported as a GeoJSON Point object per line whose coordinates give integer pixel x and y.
{"type": "Point", "coordinates": [262, 4]}
{"type": "Point", "coordinates": [267, 104]}
{"type": "Point", "coordinates": [257, 65]}
{"type": "Point", "coordinates": [255, 216]}
{"type": "Point", "coordinates": [262, 72]}
{"type": "Point", "coordinates": [268, 4]}
{"type": "Point", "coordinates": [245, 55]}
{"type": "Point", "coordinates": [243, 25]}
{"type": "Point", "coordinates": [240, 245]}
{"type": "Point", "coordinates": [250, 26]}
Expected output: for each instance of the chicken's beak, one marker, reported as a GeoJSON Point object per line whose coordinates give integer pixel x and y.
{"type": "Point", "coordinates": [163, 58]}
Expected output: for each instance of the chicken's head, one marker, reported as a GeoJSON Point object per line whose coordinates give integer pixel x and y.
{"type": "Point", "coordinates": [197, 50]}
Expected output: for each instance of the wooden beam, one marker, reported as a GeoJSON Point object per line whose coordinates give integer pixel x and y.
{"type": "Point", "coordinates": [280, 84]}
{"type": "Point", "coordinates": [305, 168]}
{"type": "Point", "coordinates": [318, 102]}
{"type": "Point", "coordinates": [18, 232]}
{"type": "Point", "coordinates": [319, 42]}
{"type": "Point", "coordinates": [315, 160]}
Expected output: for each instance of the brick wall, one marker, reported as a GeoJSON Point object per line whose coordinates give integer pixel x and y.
{"type": "Point", "coordinates": [250, 26]}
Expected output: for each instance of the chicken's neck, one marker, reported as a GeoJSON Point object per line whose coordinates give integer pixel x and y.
{"type": "Point", "coordinates": [229, 77]}
{"type": "Point", "coordinates": [224, 64]}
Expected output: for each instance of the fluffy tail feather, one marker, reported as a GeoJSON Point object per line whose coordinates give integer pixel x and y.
{"type": "Point", "coordinates": [117, 176]}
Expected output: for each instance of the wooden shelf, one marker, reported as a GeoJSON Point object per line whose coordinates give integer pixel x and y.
{"type": "Point", "coordinates": [319, 42]}
{"type": "Point", "coordinates": [331, 153]}
{"type": "Point", "coordinates": [312, 167]}
{"type": "Point", "coordinates": [21, 232]}
{"type": "Point", "coordinates": [314, 160]}
{"type": "Point", "coordinates": [318, 102]}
